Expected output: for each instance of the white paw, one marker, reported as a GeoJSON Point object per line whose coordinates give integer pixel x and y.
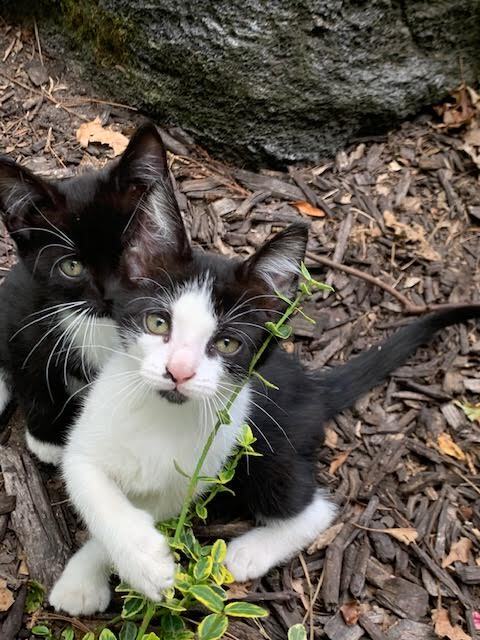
{"type": "Point", "coordinates": [80, 595]}
{"type": "Point", "coordinates": [45, 452]}
{"type": "Point", "coordinates": [145, 562]}
{"type": "Point", "coordinates": [248, 557]}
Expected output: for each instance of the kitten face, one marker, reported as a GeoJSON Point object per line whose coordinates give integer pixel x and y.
{"type": "Point", "coordinates": [193, 321]}
{"type": "Point", "coordinates": [70, 234]}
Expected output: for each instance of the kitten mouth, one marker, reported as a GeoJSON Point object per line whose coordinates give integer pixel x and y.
{"type": "Point", "coordinates": [173, 396]}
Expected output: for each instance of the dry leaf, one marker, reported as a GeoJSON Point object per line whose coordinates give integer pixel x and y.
{"type": "Point", "coordinates": [407, 535]}
{"type": "Point", "coordinates": [444, 628]}
{"type": "Point", "coordinates": [238, 590]}
{"type": "Point", "coordinates": [447, 446]}
{"type": "Point", "coordinates": [350, 612]}
{"type": "Point", "coordinates": [325, 538]}
{"type": "Point", "coordinates": [94, 132]}
{"type": "Point", "coordinates": [6, 598]}
{"type": "Point", "coordinates": [331, 438]}
{"type": "Point", "coordinates": [461, 111]}
{"type": "Point", "coordinates": [473, 137]}
{"type": "Point", "coordinates": [459, 552]}
{"type": "Point", "coordinates": [412, 232]}
{"type": "Point", "coordinates": [337, 462]}
{"type": "Point", "coordinates": [307, 209]}
{"type": "Point", "coordinates": [297, 586]}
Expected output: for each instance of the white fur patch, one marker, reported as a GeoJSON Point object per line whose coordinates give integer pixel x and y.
{"type": "Point", "coordinates": [276, 267]}
{"type": "Point", "coordinates": [83, 587]}
{"type": "Point", "coordinates": [45, 451]}
{"type": "Point", "coordinates": [5, 393]}
{"type": "Point", "coordinates": [253, 554]}
{"type": "Point", "coordinates": [193, 325]}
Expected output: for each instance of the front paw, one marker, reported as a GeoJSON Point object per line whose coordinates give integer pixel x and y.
{"type": "Point", "coordinates": [80, 595]}
{"type": "Point", "coordinates": [146, 563]}
{"type": "Point", "coordinates": [248, 557]}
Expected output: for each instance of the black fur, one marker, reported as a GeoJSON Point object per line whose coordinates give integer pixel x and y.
{"type": "Point", "coordinates": [287, 422]}
{"type": "Point", "coordinates": [89, 217]}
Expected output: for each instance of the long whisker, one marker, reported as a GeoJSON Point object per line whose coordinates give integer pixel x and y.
{"type": "Point", "coordinates": [63, 307]}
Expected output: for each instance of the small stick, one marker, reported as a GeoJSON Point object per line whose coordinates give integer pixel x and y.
{"type": "Point", "coordinates": [37, 37]}
{"type": "Point", "coordinates": [409, 307]}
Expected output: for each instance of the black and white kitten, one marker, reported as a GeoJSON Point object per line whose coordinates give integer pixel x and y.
{"type": "Point", "coordinates": [56, 329]}
{"type": "Point", "coordinates": [190, 323]}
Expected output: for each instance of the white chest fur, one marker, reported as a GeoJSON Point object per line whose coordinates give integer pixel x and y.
{"type": "Point", "coordinates": [137, 442]}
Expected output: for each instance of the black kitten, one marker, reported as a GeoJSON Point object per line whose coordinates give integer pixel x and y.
{"type": "Point", "coordinates": [55, 304]}
{"type": "Point", "coordinates": [189, 328]}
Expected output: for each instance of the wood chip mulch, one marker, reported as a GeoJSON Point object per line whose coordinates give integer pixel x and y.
{"type": "Point", "coordinates": [395, 227]}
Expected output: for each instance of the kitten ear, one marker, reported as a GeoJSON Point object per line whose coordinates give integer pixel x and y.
{"type": "Point", "coordinates": [156, 227]}
{"type": "Point", "coordinates": [26, 201]}
{"type": "Point", "coordinates": [144, 160]}
{"type": "Point", "coordinates": [277, 263]}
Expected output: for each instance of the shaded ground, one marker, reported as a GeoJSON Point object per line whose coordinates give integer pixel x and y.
{"type": "Point", "coordinates": [404, 209]}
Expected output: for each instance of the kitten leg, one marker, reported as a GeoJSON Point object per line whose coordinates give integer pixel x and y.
{"type": "Point", "coordinates": [140, 554]}
{"type": "Point", "coordinates": [45, 451]}
{"type": "Point", "coordinates": [254, 553]}
{"type": "Point", "coordinates": [83, 587]}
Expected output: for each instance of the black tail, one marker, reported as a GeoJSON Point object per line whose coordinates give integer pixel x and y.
{"type": "Point", "coordinates": [348, 382]}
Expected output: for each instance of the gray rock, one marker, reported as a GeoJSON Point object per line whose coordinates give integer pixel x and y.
{"type": "Point", "coordinates": [279, 80]}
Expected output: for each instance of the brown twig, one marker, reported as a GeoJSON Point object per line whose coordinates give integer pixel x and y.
{"type": "Point", "coordinates": [408, 307]}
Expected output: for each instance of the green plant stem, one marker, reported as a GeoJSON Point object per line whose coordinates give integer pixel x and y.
{"type": "Point", "coordinates": [149, 613]}
{"type": "Point", "coordinates": [235, 393]}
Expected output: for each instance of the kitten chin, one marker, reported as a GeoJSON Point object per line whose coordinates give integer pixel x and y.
{"type": "Point", "coordinates": [173, 396]}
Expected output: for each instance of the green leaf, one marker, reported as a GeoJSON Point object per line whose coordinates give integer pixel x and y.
{"type": "Point", "coordinates": [132, 606]}
{"type": "Point", "coordinates": [180, 470]}
{"type": "Point", "coordinates": [201, 511]}
{"type": "Point", "coordinates": [245, 610]}
{"type": "Point", "coordinates": [268, 384]}
{"type": "Point", "coordinates": [246, 436]}
{"type": "Point", "coordinates": [123, 587]}
{"type": "Point", "coordinates": [212, 627]}
{"type": "Point", "coordinates": [106, 634]}
{"type": "Point", "coordinates": [207, 596]}
{"type": "Point", "coordinates": [283, 331]}
{"type": "Point", "coordinates": [35, 595]}
{"type": "Point", "coordinates": [172, 604]}
{"type": "Point", "coordinates": [219, 551]}
{"type": "Point", "coordinates": [224, 416]}
{"type": "Point", "coordinates": [68, 634]}
{"type": "Point", "coordinates": [203, 569]}
{"type": "Point", "coordinates": [128, 631]}
{"type": "Point", "coordinates": [151, 636]}
{"type": "Point", "coordinates": [472, 411]}
{"type": "Point", "coordinates": [172, 623]}
{"type": "Point", "coordinates": [297, 632]}
{"type": "Point", "coordinates": [89, 636]}
{"type": "Point", "coordinates": [305, 272]}
{"type": "Point", "coordinates": [41, 630]}
{"type": "Point", "coordinates": [226, 475]}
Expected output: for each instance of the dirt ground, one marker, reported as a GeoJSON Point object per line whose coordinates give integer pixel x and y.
{"type": "Point", "coordinates": [399, 216]}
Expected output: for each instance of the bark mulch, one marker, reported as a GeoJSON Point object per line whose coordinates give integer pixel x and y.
{"type": "Point", "coordinates": [395, 227]}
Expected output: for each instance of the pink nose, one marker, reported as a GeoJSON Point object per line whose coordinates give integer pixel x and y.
{"type": "Point", "coordinates": [181, 366]}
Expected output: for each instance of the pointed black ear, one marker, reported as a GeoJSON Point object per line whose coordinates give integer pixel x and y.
{"type": "Point", "coordinates": [156, 227]}
{"type": "Point", "coordinates": [26, 201]}
{"type": "Point", "coordinates": [144, 160]}
{"type": "Point", "coordinates": [278, 262]}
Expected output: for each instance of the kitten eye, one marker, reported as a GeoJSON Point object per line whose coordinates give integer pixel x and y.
{"type": "Point", "coordinates": [72, 268]}
{"type": "Point", "coordinates": [157, 324]}
{"type": "Point", "coordinates": [228, 346]}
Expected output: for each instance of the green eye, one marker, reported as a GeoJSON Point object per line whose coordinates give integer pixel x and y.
{"type": "Point", "coordinates": [227, 345]}
{"type": "Point", "coordinates": [157, 324]}
{"type": "Point", "coordinates": [72, 268]}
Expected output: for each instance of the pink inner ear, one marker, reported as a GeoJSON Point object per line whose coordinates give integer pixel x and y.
{"type": "Point", "coordinates": [182, 365]}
